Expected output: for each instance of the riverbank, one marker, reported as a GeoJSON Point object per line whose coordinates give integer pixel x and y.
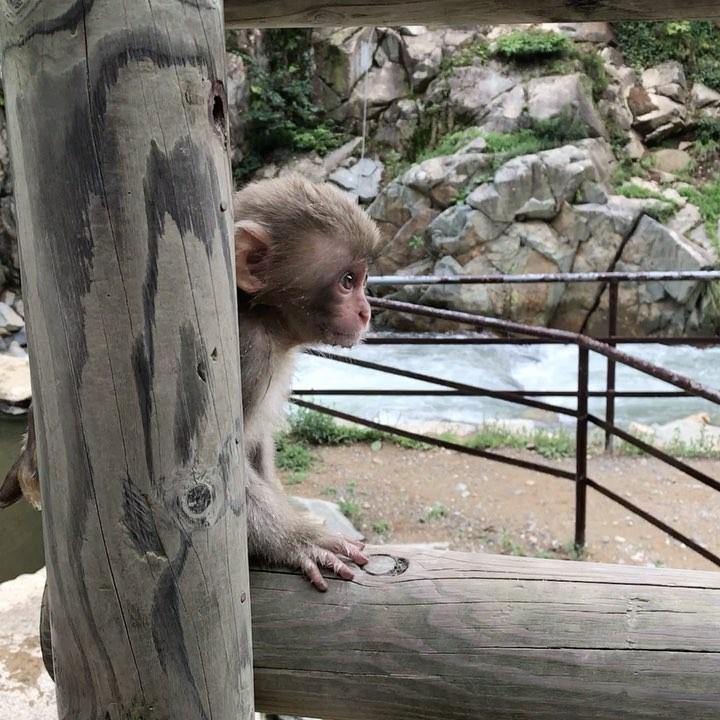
{"type": "Point", "coordinates": [400, 495]}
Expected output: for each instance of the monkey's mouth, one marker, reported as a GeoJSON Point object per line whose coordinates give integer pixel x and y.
{"type": "Point", "coordinates": [340, 339]}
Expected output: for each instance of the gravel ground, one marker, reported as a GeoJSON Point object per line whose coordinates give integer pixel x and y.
{"type": "Point", "coordinates": [398, 495]}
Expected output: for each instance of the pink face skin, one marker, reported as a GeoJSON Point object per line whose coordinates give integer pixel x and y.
{"type": "Point", "coordinates": [348, 307]}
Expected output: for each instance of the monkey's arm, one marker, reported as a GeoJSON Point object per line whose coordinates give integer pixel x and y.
{"type": "Point", "coordinates": [280, 535]}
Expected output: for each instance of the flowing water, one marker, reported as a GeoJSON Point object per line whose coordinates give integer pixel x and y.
{"type": "Point", "coordinates": [512, 367]}
{"type": "Point", "coordinates": [516, 367]}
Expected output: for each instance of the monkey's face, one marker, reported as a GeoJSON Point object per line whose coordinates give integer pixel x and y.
{"type": "Point", "coordinates": [332, 307]}
{"type": "Point", "coordinates": [343, 310]}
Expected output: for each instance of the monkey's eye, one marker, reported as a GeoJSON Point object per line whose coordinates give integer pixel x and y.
{"type": "Point", "coordinates": [347, 281]}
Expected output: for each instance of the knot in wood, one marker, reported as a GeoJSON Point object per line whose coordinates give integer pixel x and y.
{"type": "Point", "coordinates": [198, 499]}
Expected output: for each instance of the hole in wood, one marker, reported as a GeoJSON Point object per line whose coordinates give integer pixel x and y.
{"type": "Point", "coordinates": [384, 564]}
{"type": "Point", "coordinates": [218, 114]}
{"type": "Point", "coordinates": [198, 499]}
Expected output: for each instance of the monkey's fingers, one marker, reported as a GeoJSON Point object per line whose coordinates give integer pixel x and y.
{"type": "Point", "coordinates": [345, 546]}
{"type": "Point", "coordinates": [323, 558]}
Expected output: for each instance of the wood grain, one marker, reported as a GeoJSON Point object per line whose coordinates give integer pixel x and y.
{"type": "Point", "coordinates": [459, 636]}
{"type": "Point", "coordinates": [331, 13]}
{"type": "Point", "coordinates": [118, 127]}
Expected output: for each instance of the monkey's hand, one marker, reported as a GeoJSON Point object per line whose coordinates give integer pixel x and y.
{"type": "Point", "coordinates": [281, 535]}
{"type": "Point", "coordinates": [325, 552]}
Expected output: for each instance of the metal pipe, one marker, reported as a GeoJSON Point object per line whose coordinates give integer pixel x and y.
{"type": "Point", "coordinates": [611, 367]}
{"type": "Point", "coordinates": [652, 276]}
{"type": "Point", "coordinates": [581, 447]}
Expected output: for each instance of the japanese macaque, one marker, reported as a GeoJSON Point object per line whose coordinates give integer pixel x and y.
{"type": "Point", "coordinates": [301, 258]}
{"type": "Point", "coordinates": [301, 253]}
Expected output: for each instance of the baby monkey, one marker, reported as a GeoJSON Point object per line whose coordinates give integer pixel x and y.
{"type": "Point", "coordinates": [301, 256]}
{"type": "Point", "coordinates": [301, 253]}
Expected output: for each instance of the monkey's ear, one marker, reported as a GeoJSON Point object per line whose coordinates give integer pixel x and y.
{"type": "Point", "coordinates": [252, 244]}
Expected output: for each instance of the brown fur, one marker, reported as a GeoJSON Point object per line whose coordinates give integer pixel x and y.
{"type": "Point", "coordinates": [299, 240]}
{"type": "Point", "coordinates": [22, 478]}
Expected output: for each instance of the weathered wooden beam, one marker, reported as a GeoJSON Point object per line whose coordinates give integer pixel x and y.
{"type": "Point", "coordinates": [457, 636]}
{"type": "Point", "coordinates": [336, 13]}
{"type": "Point", "coordinates": [118, 130]}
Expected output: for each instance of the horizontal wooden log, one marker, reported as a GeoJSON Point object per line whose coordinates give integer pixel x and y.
{"type": "Point", "coordinates": [331, 13]}
{"type": "Point", "coordinates": [458, 635]}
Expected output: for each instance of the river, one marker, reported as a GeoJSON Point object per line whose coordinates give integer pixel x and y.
{"type": "Point", "coordinates": [518, 367]}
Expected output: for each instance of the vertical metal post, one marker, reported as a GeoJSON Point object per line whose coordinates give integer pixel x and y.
{"type": "Point", "coordinates": [581, 446]}
{"type": "Point", "coordinates": [610, 376]}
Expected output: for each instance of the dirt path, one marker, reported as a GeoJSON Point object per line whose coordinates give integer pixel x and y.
{"type": "Point", "coordinates": [398, 495]}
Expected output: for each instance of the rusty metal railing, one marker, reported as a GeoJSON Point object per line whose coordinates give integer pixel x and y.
{"type": "Point", "coordinates": [525, 334]}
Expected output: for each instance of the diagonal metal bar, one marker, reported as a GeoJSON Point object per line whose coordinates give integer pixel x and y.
{"type": "Point", "coordinates": [477, 452]}
{"type": "Point", "coordinates": [644, 366]}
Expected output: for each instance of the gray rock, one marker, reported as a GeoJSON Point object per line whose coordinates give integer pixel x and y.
{"type": "Point", "coordinates": [442, 178]}
{"type": "Point", "coordinates": [667, 73]}
{"type": "Point", "coordinates": [329, 515]}
{"type": "Point", "coordinates": [702, 96]}
{"type": "Point", "coordinates": [361, 179]}
{"type": "Point", "coordinates": [15, 377]}
{"type": "Point", "coordinates": [423, 57]}
{"type": "Point", "coordinates": [505, 113]}
{"type": "Point", "coordinates": [461, 231]}
{"type": "Point", "coordinates": [397, 125]}
{"type": "Point", "coordinates": [669, 118]}
{"type": "Point", "coordinates": [558, 95]}
{"type": "Point", "coordinates": [384, 85]}
{"type": "Point", "coordinates": [27, 691]}
{"type": "Point", "coordinates": [394, 206]}
{"type": "Point", "coordinates": [472, 90]}
{"type": "Point", "coordinates": [409, 245]}
{"type": "Point", "coordinates": [337, 157]}
{"type": "Point", "coordinates": [343, 56]}
{"type": "Point", "coordinates": [685, 220]}
{"type": "Point", "coordinates": [10, 321]}
{"type": "Point", "coordinates": [520, 189]}
{"type": "Point", "coordinates": [593, 32]}
{"type": "Point", "coordinates": [670, 160]}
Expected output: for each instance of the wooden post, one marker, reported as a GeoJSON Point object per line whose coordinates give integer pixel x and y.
{"type": "Point", "coordinates": [489, 637]}
{"type": "Point", "coordinates": [334, 13]}
{"type": "Point", "coordinates": [118, 130]}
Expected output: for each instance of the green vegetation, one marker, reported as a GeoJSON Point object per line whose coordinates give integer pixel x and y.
{"type": "Point", "coordinates": [531, 45]}
{"type": "Point", "coordinates": [451, 143]}
{"type": "Point", "coordinates": [540, 135]}
{"type": "Point", "coordinates": [436, 512]}
{"type": "Point", "coordinates": [309, 427]}
{"type": "Point", "coordinates": [282, 114]}
{"type": "Point", "coordinates": [707, 198]}
{"type": "Point", "coordinates": [291, 455]}
{"type": "Point", "coordinates": [661, 211]}
{"type": "Point", "coordinates": [465, 55]}
{"type": "Point", "coordinates": [694, 43]}
{"type": "Point", "coordinates": [381, 527]}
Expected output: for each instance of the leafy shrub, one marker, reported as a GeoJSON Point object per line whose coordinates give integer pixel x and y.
{"type": "Point", "coordinates": [282, 114]}
{"type": "Point", "coordinates": [529, 45]}
{"type": "Point", "coordinates": [695, 43]}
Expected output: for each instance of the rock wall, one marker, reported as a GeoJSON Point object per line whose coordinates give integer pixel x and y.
{"type": "Point", "coordinates": [477, 209]}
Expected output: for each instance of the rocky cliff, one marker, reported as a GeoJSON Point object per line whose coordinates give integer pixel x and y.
{"type": "Point", "coordinates": [484, 150]}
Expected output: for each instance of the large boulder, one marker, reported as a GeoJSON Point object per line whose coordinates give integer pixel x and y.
{"type": "Point", "coordinates": [565, 95]}
{"type": "Point", "coordinates": [343, 56]}
{"type": "Point", "coordinates": [444, 178]}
